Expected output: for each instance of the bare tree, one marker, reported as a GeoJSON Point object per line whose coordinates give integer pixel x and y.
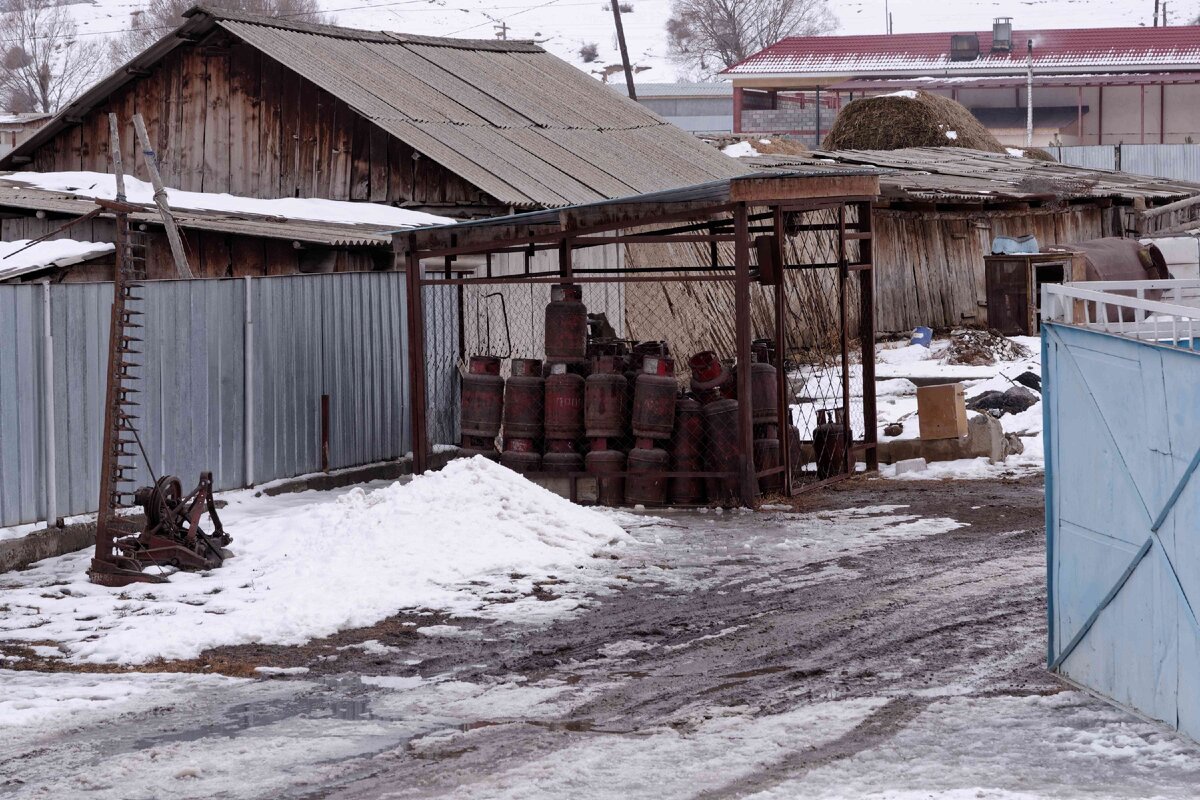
{"type": "Point", "coordinates": [44, 64]}
{"type": "Point", "coordinates": [160, 17]}
{"type": "Point", "coordinates": [707, 36]}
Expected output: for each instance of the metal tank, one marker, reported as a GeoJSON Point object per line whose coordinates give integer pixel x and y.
{"type": "Point", "coordinates": [606, 405]}
{"type": "Point", "coordinates": [647, 482]}
{"type": "Point", "coordinates": [564, 404]}
{"type": "Point", "coordinates": [654, 400]}
{"type": "Point", "coordinates": [687, 452]}
{"type": "Point", "coordinates": [566, 325]}
{"type": "Point", "coordinates": [524, 400]}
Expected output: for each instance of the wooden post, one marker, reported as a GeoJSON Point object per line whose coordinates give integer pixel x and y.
{"type": "Point", "coordinates": [781, 377]}
{"type": "Point", "coordinates": [844, 327]}
{"type": "Point", "coordinates": [866, 333]}
{"type": "Point", "coordinates": [748, 481]}
{"type": "Point", "coordinates": [416, 356]}
{"type": "Point", "coordinates": [616, 9]}
{"type": "Point", "coordinates": [114, 144]}
{"type": "Point", "coordinates": [160, 199]}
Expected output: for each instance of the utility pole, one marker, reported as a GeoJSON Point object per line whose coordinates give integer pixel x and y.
{"type": "Point", "coordinates": [1164, 12]}
{"type": "Point", "coordinates": [1029, 98]}
{"type": "Point", "coordinates": [616, 8]}
{"type": "Point", "coordinates": [1156, 2]}
{"type": "Point", "coordinates": [501, 30]}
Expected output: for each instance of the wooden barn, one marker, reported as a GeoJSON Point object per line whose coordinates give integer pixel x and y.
{"type": "Point", "coordinates": [262, 108]}
{"type": "Point", "coordinates": [941, 208]}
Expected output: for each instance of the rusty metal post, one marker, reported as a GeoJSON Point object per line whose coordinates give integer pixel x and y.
{"type": "Point", "coordinates": [324, 433]}
{"type": "Point", "coordinates": [866, 332]}
{"type": "Point", "coordinates": [416, 355]}
{"type": "Point", "coordinates": [785, 409]}
{"type": "Point", "coordinates": [748, 481]}
{"type": "Point", "coordinates": [844, 327]}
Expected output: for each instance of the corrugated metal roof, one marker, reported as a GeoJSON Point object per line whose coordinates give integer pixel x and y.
{"type": "Point", "coordinates": [1067, 50]}
{"type": "Point", "coordinates": [461, 103]}
{"type": "Point", "coordinates": [956, 174]}
{"type": "Point", "coordinates": [332, 234]}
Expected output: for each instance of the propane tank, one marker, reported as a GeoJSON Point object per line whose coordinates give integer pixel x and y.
{"type": "Point", "coordinates": [765, 350]}
{"type": "Point", "coordinates": [722, 453]}
{"type": "Point", "coordinates": [687, 452]}
{"type": "Point", "coordinates": [482, 397]}
{"type": "Point", "coordinates": [764, 395]}
{"type": "Point", "coordinates": [606, 405]}
{"type": "Point", "coordinates": [564, 404]}
{"type": "Point", "coordinates": [767, 455]}
{"type": "Point", "coordinates": [524, 400]}
{"type": "Point", "coordinates": [829, 442]}
{"type": "Point", "coordinates": [654, 399]}
{"type": "Point", "coordinates": [649, 485]}
{"type": "Point", "coordinates": [566, 325]}
{"type": "Point", "coordinates": [708, 375]}
{"type": "Point", "coordinates": [610, 491]}
{"type": "Point", "coordinates": [519, 456]}
{"type": "Point", "coordinates": [562, 461]}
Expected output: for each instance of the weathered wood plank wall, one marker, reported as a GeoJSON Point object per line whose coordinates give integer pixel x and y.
{"type": "Point", "coordinates": [226, 118]}
{"type": "Point", "coordinates": [929, 265]}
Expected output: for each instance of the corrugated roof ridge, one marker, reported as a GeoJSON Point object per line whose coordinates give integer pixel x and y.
{"type": "Point", "coordinates": [361, 34]}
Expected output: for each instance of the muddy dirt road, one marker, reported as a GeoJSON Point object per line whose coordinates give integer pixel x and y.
{"type": "Point", "coordinates": [882, 639]}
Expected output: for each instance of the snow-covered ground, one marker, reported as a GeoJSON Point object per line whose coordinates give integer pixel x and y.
{"type": "Point", "coordinates": [308, 565]}
{"type": "Point", "coordinates": [897, 402]}
{"type": "Point", "coordinates": [564, 26]}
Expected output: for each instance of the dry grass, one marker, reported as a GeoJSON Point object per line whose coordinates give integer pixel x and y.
{"type": "Point", "coordinates": [892, 123]}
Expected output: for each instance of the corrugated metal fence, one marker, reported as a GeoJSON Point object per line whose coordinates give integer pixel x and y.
{"type": "Point", "coordinates": [1177, 161]}
{"type": "Point", "coordinates": [233, 375]}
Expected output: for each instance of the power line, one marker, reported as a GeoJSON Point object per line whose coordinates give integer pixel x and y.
{"type": "Point", "coordinates": [163, 28]}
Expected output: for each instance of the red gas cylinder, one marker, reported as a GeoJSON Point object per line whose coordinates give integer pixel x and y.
{"type": "Point", "coordinates": [654, 400]}
{"type": "Point", "coordinates": [519, 456]}
{"type": "Point", "coordinates": [722, 453]}
{"type": "Point", "coordinates": [524, 400]}
{"type": "Point", "coordinates": [687, 452]}
{"type": "Point", "coordinates": [708, 375]}
{"type": "Point", "coordinates": [611, 491]}
{"type": "Point", "coordinates": [649, 485]}
{"type": "Point", "coordinates": [606, 405]}
{"type": "Point", "coordinates": [767, 455]}
{"type": "Point", "coordinates": [566, 324]}
{"type": "Point", "coordinates": [564, 404]}
{"type": "Point", "coordinates": [562, 462]}
{"type": "Point", "coordinates": [764, 395]}
{"type": "Point", "coordinates": [482, 397]}
{"type": "Point", "coordinates": [764, 349]}
{"type": "Point", "coordinates": [829, 443]}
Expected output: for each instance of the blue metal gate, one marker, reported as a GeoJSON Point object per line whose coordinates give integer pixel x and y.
{"type": "Point", "coordinates": [1123, 519]}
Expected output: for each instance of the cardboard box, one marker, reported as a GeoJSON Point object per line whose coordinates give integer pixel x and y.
{"type": "Point", "coordinates": [943, 411]}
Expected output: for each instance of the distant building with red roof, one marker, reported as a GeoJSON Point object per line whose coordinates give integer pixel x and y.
{"type": "Point", "coordinates": [1091, 85]}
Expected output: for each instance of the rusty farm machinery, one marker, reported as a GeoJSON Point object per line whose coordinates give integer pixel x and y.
{"type": "Point", "coordinates": [171, 536]}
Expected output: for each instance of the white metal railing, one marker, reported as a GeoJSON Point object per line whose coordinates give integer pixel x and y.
{"type": "Point", "coordinates": [1121, 307]}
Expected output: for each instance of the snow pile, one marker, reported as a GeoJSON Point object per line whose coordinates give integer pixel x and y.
{"type": "Point", "coordinates": [908, 94]}
{"type": "Point", "coordinates": [1014, 152]}
{"type": "Point", "coordinates": [100, 185]}
{"type": "Point", "coordinates": [17, 258]}
{"type": "Point", "coordinates": [743, 149]}
{"type": "Point", "coordinates": [308, 569]}
{"type": "Point", "coordinates": [952, 135]}
{"type": "Point", "coordinates": [979, 348]}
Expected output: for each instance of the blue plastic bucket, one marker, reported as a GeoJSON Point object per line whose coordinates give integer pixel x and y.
{"type": "Point", "coordinates": [922, 336]}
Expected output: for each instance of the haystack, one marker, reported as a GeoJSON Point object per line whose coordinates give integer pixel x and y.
{"type": "Point", "coordinates": [909, 119]}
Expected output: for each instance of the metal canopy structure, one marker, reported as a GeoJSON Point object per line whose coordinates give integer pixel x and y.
{"type": "Point", "coordinates": [755, 218]}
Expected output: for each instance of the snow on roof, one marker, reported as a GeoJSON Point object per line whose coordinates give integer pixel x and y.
{"type": "Point", "coordinates": [19, 257]}
{"type": "Point", "coordinates": [101, 185]}
{"type": "Point", "coordinates": [1072, 49]}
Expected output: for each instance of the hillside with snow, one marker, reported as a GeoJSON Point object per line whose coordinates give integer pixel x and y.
{"type": "Point", "coordinates": [564, 26]}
